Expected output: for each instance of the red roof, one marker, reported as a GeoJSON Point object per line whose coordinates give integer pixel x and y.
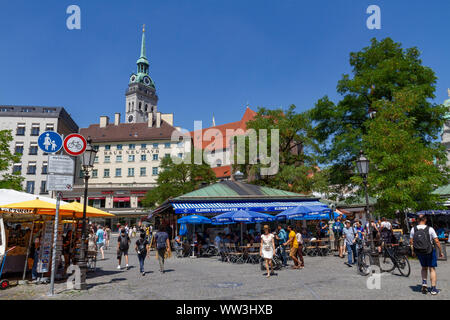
{"type": "Point", "coordinates": [216, 137]}
{"type": "Point", "coordinates": [222, 172]}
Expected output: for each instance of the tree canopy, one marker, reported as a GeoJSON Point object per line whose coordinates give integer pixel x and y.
{"type": "Point", "coordinates": [177, 179]}
{"type": "Point", "coordinates": [7, 158]}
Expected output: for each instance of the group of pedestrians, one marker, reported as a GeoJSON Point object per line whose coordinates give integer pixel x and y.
{"type": "Point", "coordinates": [142, 247]}
{"type": "Point", "coordinates": [292, 238]}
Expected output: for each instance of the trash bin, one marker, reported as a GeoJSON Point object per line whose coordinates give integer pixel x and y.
{"type": "Point", "coordinates": [444, 250]}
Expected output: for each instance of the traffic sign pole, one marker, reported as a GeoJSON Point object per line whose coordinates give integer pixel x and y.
{"type": "Point", "coordinates": [55, 239]}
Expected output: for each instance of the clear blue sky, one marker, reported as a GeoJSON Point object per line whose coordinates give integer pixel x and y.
{"type": "Point", "coordinates": [206, 56]}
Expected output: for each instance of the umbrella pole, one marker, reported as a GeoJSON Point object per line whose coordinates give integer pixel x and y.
{"type": "Point", "coordinates": [242, 226]}
{"type": "Point", "coordinates": [28, 250]}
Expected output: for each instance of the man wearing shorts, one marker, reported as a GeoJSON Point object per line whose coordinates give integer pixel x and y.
{"type": "Point", "coordinates": [100, 240]}
{"type": "Point", "coordinates": [123, 243]}
{"type": "Point", "coordinates": [294, 247]}
{"type": "Point", "coordinates": [428, 261]}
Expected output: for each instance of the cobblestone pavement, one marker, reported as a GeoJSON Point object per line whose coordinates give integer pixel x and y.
{"type": "Point", "coordinates": [208, 278]}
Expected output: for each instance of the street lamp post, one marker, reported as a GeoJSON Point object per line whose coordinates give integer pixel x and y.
{"type": "Point", "coordinates": [362, 163]}
{"type": "Point", "coordinates": [87, 162]}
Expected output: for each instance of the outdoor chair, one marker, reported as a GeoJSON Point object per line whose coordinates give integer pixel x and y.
{"type": "Point", "coordinates": [323, 247]}
{"type": "Point", "coordinates": [253, 254]}
{"type": "Point", "coordinates": [235, 255]}
{"type": "Point", "coordinates": [311, 248]}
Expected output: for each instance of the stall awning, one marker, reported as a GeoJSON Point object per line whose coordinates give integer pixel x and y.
{"type": "Point", "coordinates": [211, 207]}
{"type": "Point", "coordinates": [121, 199]}
{"type": "Point", "coordinates": [97, 198]}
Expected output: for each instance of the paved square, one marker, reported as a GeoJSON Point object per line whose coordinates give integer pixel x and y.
{"type": "Point", "coordinates": [208, 278]}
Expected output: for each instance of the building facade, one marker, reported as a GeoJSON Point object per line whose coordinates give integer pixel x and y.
{"type": "Point", "coordinates": [446, 130]}
{"type": "Point", "coordinates": [26, 124]}
{"type": "Point", "coordinates": [130, 153]}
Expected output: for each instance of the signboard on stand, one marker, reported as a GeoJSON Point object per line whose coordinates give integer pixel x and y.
{"type": "Point", "coordinates": [60, 173]}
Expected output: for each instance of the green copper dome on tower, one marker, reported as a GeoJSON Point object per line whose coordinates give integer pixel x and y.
{"type": "Point", "coordinates": [142, 75]}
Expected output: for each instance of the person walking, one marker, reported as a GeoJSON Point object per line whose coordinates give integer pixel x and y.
{"type": "Point", "coordinates": [299, 237]}
{"type": "Point", "coordinates": [282, 237]}
{"type": "Point", "coordinates": [123, 243]}
{"type": "Point", "coordinates": [423, 240]}
{"type": "Point", "coordinates": [267, 249]}
{"type": "Point", "coordinates": [294, 247]}
{"type": "Point", "coordinates": [162, 246]}
{"type": "Point", "coordinates": [100, 240]}
{"type": "Point", "coordinates": [338, 227]}
{"type": "Point", "coordinates": [142, 249]}
{"type": "Point", "coordinates": [350, 242]}
{"type": "Point", "coordinates": [107, 237]}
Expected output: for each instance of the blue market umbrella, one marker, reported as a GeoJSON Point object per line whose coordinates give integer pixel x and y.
{"type": "Point", "coordinates": [293, 213]}
{"type": "Point", "coordinates": [242, 216]}
{"type": "Point", "coordinates": [194, 219]}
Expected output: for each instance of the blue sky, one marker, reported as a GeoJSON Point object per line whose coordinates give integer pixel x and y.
{"type": "Point", "coordinates": [206, 56]}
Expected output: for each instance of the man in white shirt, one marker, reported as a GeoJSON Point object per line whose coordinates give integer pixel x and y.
{"type": "Point", "coordinates": [385, 224]}
{"type": "Point", "coordinates": [427, 260]}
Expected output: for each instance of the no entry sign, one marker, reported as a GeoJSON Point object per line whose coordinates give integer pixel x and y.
{"type": "Point", "coordinates": [74, 144]}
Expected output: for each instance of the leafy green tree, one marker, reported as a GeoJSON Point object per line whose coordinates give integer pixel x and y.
{"type": "Point", "coordinates": [378, 73]}
{"type": "Point", "coordinates": [177, 179]}
{"type": "Point", "coordinates": [405, 169]}
{"type": "Point", "coordinates": [298, 171]}
{"type": "Point", "coordinates": [8, 181]}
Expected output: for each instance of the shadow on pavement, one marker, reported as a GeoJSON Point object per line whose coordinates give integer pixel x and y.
{"type": "Point", "coordinates": [416, 288]}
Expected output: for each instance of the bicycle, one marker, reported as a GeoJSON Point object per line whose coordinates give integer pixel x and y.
{"type": "Point", "coordinates": [390, 259]}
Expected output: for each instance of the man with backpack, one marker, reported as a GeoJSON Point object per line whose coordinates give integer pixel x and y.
{"type": "Point", "coordinates": [422, 240]}
{"type": "Point", "coordinates": [142, 249]}
{"type": "Point", "coordinates": [162, 245]}
{"type": "Point", "coordinates": [123, 243]}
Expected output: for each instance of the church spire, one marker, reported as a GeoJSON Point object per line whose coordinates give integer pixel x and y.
{"type": "Point", "coordinates": [143, 43]}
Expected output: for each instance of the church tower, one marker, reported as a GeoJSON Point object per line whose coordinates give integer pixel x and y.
{"type": "Point", "coordinates": [141, 98]}
{"type": "Point", "coordinates": [445, 134]}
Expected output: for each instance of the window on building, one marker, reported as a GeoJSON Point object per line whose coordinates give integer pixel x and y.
{"type": "Point", "coordinates": [43, 189]}
{"type": "Point", "coordinates": [27, 110]}
{"type": "Point", "coordinates": [143, 172]}
{"type": "Point", "coordinates": [31, 168]}
{"type": "Point", "coordinates": [131, 172]}
{"type": "Point", "coordinates": [131, 146]}
{"type": "Point", "coordinates": [131, 158]}
{"type": "Point", "coordinates": [143, 157]}
{"type": "Point", "coordinates": [30, 187]}
{"type": "Point", "coordinates": [49, 110]}
{"type": "Point", "coordinates": [143, 146]}
{"type": "Point", "coordinates": [118, 172]}
{"type": "Point", "coordinates": [107, 159]}
{"type": "Point", "coordinates": [19, 148]}
{"type": "Point", "coordinates": [20, 129]}
{"type": "Point", "coordinates": [155, 171]}
{"type": "Point", "coordinates": [5, 109]}
{"type": "Point", "coordinates": [81, 175]}
{"type": "Point", "coordinates": [95, 147]}
{"type": "Point", "coordinates": [17, 168]}
{"type": "Point", "coordinates": [122, 204]}
{"type": "Point", "coordinates": [167, 145]}
{"type": "Point", "coordinates": [106, 173]}
{"type": "Point", "coordinates": [35, 130]}
{"type": "Point", "coordinates": [118, 158]}
{"type": "Point", "coordinates": [94, 173]}
{"type": "Point", "coordinates": [119, 147]}
{"type": "Point", "coordinates": [50, 127]}
{"type": "Point", "coordinates": [33, 149]}
{"type": "Point", "coordinates": [180, 155]}
{"type": "Point", "coordinates": [107, 147]}
{"type": "Point", "coordinates": [167, 155]}
{"type": "Point", "coordinates": [155, 157]}
{"type": "Point", "coordinates": [180, 144]}
{"type": "Point", "coordinates": [44, 168]}
{"type": "Point", "coordinates": [97, 203]}
{"type": "Point", "coordinates": [96, 159]}
{"type": "Point", "coordinates": [155, 145]}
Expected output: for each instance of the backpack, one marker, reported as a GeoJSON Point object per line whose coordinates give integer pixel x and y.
{"type": "Point", "coordinates": [422, 241]}
{"type": "Point", "coordinates": [123, 242]}
{"type": "Point", "coordinates": [160, 241]}
{"type": "Point", "coordinates": [141, 246]}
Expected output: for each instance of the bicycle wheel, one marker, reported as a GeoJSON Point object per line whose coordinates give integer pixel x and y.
{"type": "Point", "coordinates": [363, 263]}
{"type": "Point", "coordinates": [403, 266]}
{"type": "Point", "coordinates": [386, 264]}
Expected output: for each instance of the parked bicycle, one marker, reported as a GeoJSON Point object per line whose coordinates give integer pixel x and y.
{"type": "Point", "coordinates": [392, 258]}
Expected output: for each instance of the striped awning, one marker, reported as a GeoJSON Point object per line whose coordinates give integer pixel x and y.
{"type": "Point", "coordinates": [212, 207]}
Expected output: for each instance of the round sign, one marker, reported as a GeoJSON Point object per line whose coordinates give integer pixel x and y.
{"type": "Point", "coordinates": [50, 142]}
{"type": "Point", "coordinates": [75, 144]}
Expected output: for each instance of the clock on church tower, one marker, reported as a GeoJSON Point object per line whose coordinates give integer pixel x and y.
{"type": "Point", "coordinates": [141, 98]}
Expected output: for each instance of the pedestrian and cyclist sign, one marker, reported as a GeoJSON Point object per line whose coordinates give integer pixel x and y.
{"type": "Point", "coordinates": [75, 144]}
{"type": "Point", "coordinates": [50, 142]}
